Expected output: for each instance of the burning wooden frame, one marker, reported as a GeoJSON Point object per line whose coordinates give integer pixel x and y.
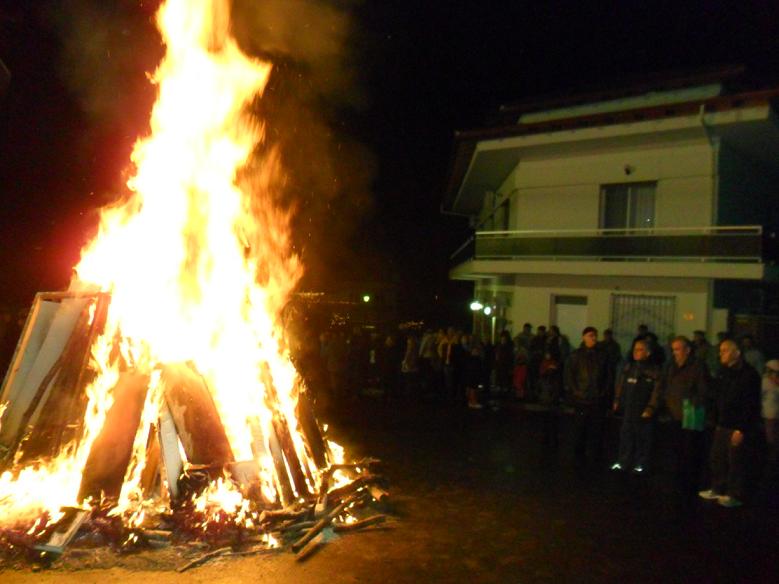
{"type": "Point", "coordinates": [44, 390]}
{"type": "Point", "coordinates": [187, 447]}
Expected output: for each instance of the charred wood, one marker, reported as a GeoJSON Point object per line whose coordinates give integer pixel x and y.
{"type": "Point", "coordinates": [281, 429]}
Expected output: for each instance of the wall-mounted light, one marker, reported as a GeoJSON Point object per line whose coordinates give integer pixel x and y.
{"type": "Point", "coordinates": [476, 305]}
{"type": "Point", "coordinates": [488, 310]}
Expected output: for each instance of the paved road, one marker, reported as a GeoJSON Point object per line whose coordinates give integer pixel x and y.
{"type": "Point", "coordinates": [479, 499]}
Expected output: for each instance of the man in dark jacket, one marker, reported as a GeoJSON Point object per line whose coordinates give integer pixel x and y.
{"type": "Point", "coordinates": [682, 392]}
{"type": "Point", "coordinates": [736, 395]}
{"type": "Point", "coordinates": [588, 380]}
{"type": "Point", "coordinates": [637, 383]}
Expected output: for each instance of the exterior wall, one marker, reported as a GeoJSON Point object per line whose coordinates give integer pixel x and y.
{"type": "Point", "coordinates": [564, 192]}
{"type": "Point", "coordinates": [531, 299]}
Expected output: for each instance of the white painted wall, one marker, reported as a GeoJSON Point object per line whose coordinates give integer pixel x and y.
{"type": "Point", "coordinates": [563, 191]}
{"type": "Point", "coordinates": [532, 298]}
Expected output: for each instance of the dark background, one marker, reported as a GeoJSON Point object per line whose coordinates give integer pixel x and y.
{"type": "Point", "coordinates": [363, 103]}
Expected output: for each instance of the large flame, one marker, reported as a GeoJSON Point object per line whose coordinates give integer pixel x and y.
{"type": "Point", "coordinates": [196, 260]}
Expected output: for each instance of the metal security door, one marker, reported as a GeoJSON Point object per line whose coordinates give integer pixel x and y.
{"type": "Point", "coordinates": [630, 310]}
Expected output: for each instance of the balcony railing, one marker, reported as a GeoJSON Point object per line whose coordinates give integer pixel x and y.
{"type": "Point", "coordinates": [742, 243]}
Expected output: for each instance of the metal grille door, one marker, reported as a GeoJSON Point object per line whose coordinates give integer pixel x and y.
{"type": "Point", "coordinates": [630, 310]}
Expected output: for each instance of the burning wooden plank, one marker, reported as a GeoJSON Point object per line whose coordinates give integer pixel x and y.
{"type": "Point", "coordinates": [281, 430]}
{"type": "Point", "coordinates": [172, 463]}
{"type": "Point", "coordinates": [311, 431]}
{"type": "Point", "coordinates": [196, 418]}
{"type": "Point", "coordinates": [111, 451]}
{"type": "Point", "coordinates": [150, 475]}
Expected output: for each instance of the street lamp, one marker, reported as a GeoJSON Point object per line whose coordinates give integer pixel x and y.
{"type": "Point", "coordinates": [476, 306]}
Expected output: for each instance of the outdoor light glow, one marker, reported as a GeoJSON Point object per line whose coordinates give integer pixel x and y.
{"type": "Point", "coordinates": [487, 310]}
{"type": "Point", "coordinates": [476, 305]}
{"type": "Point", "coordinates": [366, 298]}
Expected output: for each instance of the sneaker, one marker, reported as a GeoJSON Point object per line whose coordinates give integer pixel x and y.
{"type": "Point", "coordinates": [709, 495]}
{"type": "Point", "coordinates": [728, 501]}
{"type": "Point", "coordinates": [638, 470]}
{"type": "Point", "coordinates": [616, 466]}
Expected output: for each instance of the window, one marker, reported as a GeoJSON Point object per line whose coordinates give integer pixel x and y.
{"type": "Point", "coordinates": [627, 205]}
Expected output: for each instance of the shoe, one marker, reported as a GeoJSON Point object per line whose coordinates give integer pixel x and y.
{"type": "Point", "coordinates": [709, 495]}
{"type": "Point", "coordinates": [638, 470]}
{"type": "Point", "coordinates": [729, 502]}
{"type": "Point", "coordinates": [616, 466]}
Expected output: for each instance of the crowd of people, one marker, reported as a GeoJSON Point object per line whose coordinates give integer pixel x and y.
{"type": "Point", "coordinates": [719, 402]}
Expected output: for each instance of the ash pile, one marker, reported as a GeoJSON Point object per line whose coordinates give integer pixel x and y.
{"type": "Point", "coordinates": [159, 470]}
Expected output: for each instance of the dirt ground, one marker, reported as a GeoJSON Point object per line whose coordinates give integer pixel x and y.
{"type": "Point", "coordinates": [477, 498]}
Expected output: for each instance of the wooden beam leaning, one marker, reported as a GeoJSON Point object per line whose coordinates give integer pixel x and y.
{"type": "Point", "coordinates": [283, 485]}
{"type": "Point", "coordinates": [111, 451]}
{"type": "Point", "coordinates": [281, 429]}
{"type": "Point", "coordinates": [311, 431]}
{"type": "Point", "coordinates": [172, 463]}
{"type": "Point", "coordinates": [195, 415]}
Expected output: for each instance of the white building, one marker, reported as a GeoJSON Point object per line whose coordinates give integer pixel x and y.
{"type": "Point", "coordinates": [652, 204]}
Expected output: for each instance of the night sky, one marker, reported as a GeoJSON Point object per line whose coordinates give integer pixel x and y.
{"type": "Point", "coordinates": [377, 110]}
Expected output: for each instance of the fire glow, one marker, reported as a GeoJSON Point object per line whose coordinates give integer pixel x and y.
{"type": "Point", "coordinates": [197, 263]}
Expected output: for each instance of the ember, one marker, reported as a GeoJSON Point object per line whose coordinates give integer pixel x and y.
{"type": "Point", "coordinates": [156, 400]}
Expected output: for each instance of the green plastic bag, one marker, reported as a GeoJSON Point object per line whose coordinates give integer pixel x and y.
{"type": "Point", "coordinates": [693, 417]}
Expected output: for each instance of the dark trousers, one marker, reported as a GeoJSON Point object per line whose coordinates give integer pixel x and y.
{"type": "Point", "coordinates": [635, 442]}
{"type": "Point", "coordinates": [588, 432]}
{"type": "Point", "coordinates": [727, 464]}
{"type": "Point", "coordinates": [689, 448]}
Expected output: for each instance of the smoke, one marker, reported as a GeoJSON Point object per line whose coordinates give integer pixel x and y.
{"type": "Point", "coordinates": [314, 86]}
{"type": "Point", "coordinates": [109, 48]}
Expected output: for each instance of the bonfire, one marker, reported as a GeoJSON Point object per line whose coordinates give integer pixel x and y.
{"type": "Point", "coordinates": [156, 398]}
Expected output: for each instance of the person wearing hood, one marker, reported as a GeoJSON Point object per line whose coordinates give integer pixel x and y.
{"type": "Point", "coordinates": [637, 383]}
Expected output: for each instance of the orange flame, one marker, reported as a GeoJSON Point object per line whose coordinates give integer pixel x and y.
{"type": "Point", "coordinates": [198, 265]}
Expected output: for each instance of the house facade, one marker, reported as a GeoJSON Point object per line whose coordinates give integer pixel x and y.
{"type": "Point", "coordinates": [650, 204]}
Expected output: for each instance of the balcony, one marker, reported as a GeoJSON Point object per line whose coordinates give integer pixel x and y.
{"type": "Point", "coordinates": [720, 252]}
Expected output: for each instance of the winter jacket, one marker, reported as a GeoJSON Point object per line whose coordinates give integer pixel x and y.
{"type": "Point", "coordinates": [588, 377]}
{"type": "Point", "coordinates": [690, 381]}
{"type": "Point", "coordinates": [638, 381]}
{"type": "Point", "coordinates": [736, 397]}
